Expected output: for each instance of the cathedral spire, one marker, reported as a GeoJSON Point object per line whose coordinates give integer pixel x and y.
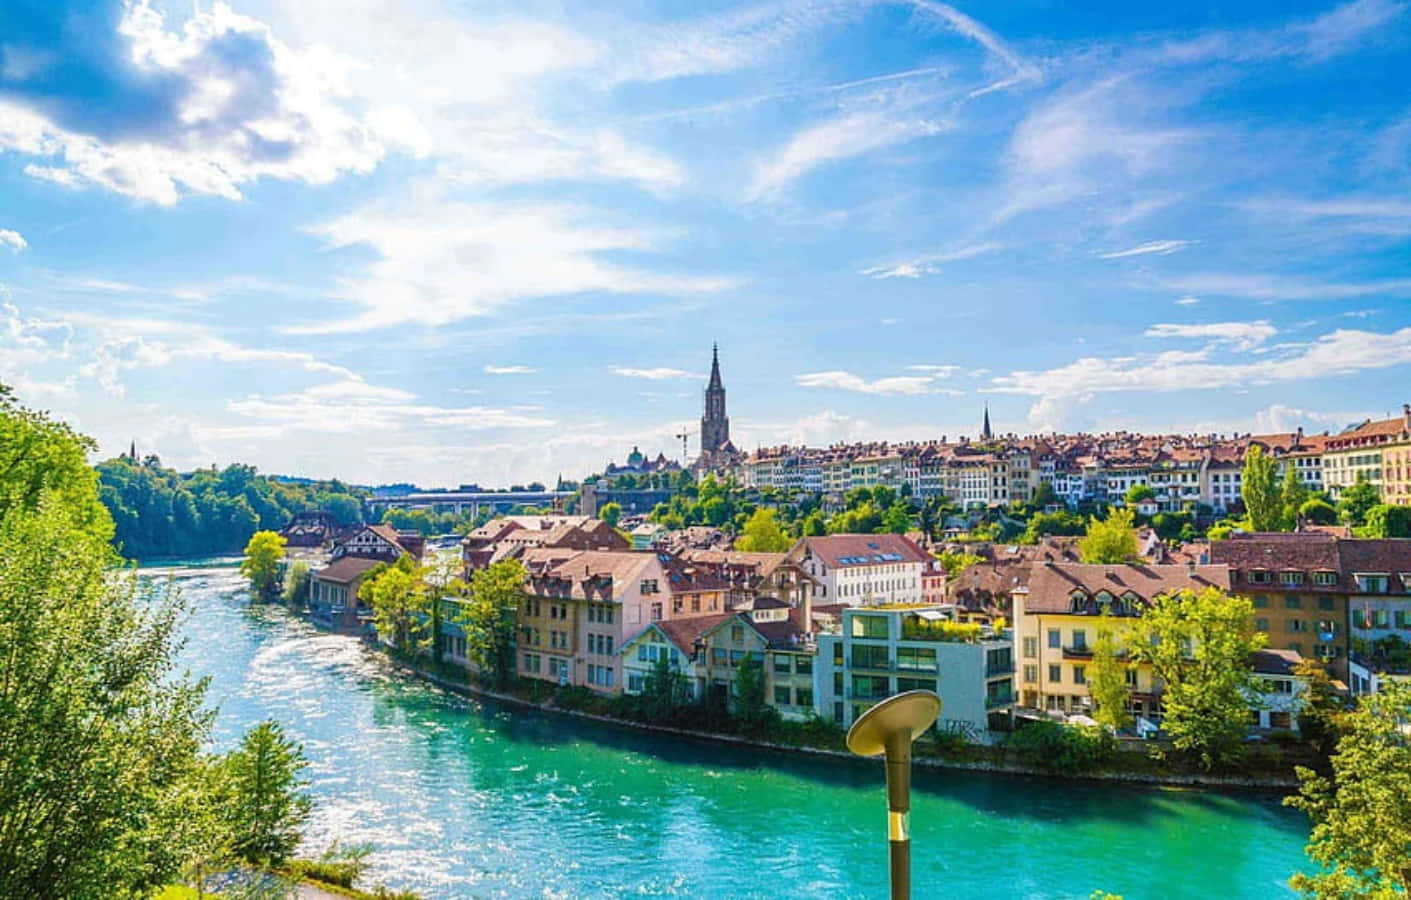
{"type": "Point", "coordinates": [985, 433]}
{"type": "Point", "coordinates": [715, 425]}
{"type": "Point", "coordinates": [715, 384]}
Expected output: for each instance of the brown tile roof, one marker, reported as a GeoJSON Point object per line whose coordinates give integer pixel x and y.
{"type": "Point", "coordinates": [346, 569]}
{"type": "Point", "coordinates": [684, 633]}
{"type": "Point", "coordinates": [843, 550]}
{"type": "Point", "coordinates": [1051, 585]}
{"type": "Point", "coordinates": [1274, 662]}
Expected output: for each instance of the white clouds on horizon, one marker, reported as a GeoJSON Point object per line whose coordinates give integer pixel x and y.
{"type": "Point", "coordinates": [839, 380]}
{"type": "Point", "coordinates": [661, 373]}
{"type": "Point", "coordinates": [509, 370]}
{"type": "Point", "coordinates": [1239, 335]}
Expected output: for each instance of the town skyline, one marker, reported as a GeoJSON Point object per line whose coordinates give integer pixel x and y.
{"type": "Point", "coordinates": [287, 240]}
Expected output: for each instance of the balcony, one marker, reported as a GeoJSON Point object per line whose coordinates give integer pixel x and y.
{"type": "Point", "coordinates": [998, 700]}
{"type": "Point", "coordinates": [999, 670]}
{"type": "Point", "coordinates": [1078, 651]}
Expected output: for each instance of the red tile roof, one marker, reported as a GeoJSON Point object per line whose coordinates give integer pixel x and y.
{"type": "Point", "coordinates": [845, 550]}
{"type": "Point", "coordinates": [346, 569]}
{"type": "Point", "coordinates": [1051, 585]}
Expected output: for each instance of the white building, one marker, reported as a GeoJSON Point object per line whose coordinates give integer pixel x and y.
{"type": "Point", "coordinates": [862, 569]}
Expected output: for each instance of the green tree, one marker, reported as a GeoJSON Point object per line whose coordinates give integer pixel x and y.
{"type": "Point", "coordinates": [400, 605]}
{"type": "Point", "coordinates": [1292, 496]}
{"type": "Point", "coordinates": [762, 534]}
{"type": "Point", "coordinates": [99, 735]}
{"type": "Point", "coordinates": [956, 562]}
{"type": "Point", "coordinates": [1356, 501]}
{"type": "Point", "coordinates": [1321, 714]}
{"type": "Point", "coordinates": [1044, 496]}
{"type": "Point", "coordinates": [814, 525]}
{"type": "Point", "coordinates": [750, 705]}
{"type": "Point", "coordinates": [1260, 491]}
{"type": "Point", "coordinates": [1138, 493]}
{"type": "Point", "coordinates": [264, 554]}
{"type": "Point", "coordinates": [1318, 511]}
{"type": "Point", "coordinates": [488, 618]}
{"type": "Point", "coordinates": [1111, 540]}
{"type": "Point", "coordinates": [610, 513]}
{"type": "Point", "coordinates": [1386, 521]}
{"type": "Point", "coordinates": [442, 579]}
{"type": "Point", "coordinates": [897, 519]}
{"type": "Point", "coordinates": [1107, 679]}
{"type": "Point", "coordinates": [268, 804]}
{"type": "Point", "coordinates": [40, 458]}
{"type": "Point", "coordinates": [1044, 524]}
{"type": "Point", "coordinates": [665, 692]}
{"type": "Point", "coordinates": [1199, 645]}
{"type": "Point", "coordinates": [1362, 814]}
{"type": "Point", "coordinates": [296, 583]}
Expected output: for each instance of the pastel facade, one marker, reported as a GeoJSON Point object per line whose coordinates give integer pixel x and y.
{"type": "Point", "coordinates": [862, 569]}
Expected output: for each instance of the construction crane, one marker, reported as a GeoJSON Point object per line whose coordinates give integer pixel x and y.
{"type": "Point", "coordinates": [683, 435]}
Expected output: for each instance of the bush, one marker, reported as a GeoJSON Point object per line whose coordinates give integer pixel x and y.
{"type": "Point", "coordinates": [338, 866]}
{"type": "Point", "coordinates": [1069, 749]}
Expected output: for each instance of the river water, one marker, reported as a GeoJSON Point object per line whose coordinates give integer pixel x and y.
{"type": "Point", "coordinates": [461, 798]}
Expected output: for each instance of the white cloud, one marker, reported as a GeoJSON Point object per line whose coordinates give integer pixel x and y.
{"type": "Point", "coordinates": [1149, 247]}
{"type": "Point", "coordinates": [12, 239]}
{"type": "Point", "coordinates": [1342, 352]}
{"type": "Point", "coordinates": [934, 371]}
{"type": "Point", "coordinates": [510, 370]}
{"type": "Point", "coordinates": [1187, 301]}
{"type": "Point", "coordinates": [929, 264]}
{"type": "Point", "coordinates": [1239, 335]}
{"type": "Point", "coordinates": [350, 406]}
{"type": "Point", "coordinates": [251, 107]}
{"type": "Point", "coordinates": [846, 381]}
{"type": "Point", "coordinates": [658, 374]}
{"type": "Point", "coordinates": [1276, 287]}
{"type": "Point", "coordinates": [847, 136]}
{"type": "Point", "coordinates": [439, 261]}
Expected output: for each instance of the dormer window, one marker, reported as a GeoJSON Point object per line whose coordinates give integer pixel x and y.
{"type": "Point", "coordinates": [1290, 578]}
{"type": "Point", "coordinates": [1325, 579]}
{"type": "Point", "coordinates": [1104, 598]}
{"type": "Point", "coordinates": [1372, 582]}
{"type": "Point", "coordinates": [1077, 601]}
{"type": "Point", "coordinates": [1260, 576]}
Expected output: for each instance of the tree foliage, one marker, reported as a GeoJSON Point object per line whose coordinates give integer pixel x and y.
{"type": "Point", "coordinates": [1362, 814]}
{"type": "Point", "coordinates": [488, 618]}
{"type": "Point", "coordinates": [1387, 521]}
{"type": "Point", "coordinates": [160, 512]}
{"type": "Point", "coordinates": [41, 457]}
{"type": "Point", "coordinates": [267, 804]}
{"type": "Point", "coordinates": [1199, 645]}
{"type": "Point", "coordinates": [296, 584]}
{"type": "Point", "coordinates": [264, 556]}
{"type": "Point", "coordinates": [610, 513]}
{"type": "Point", "coordinates": [1357, 500]}
{"type": "Point", "coordinates": [750, 706]}
{"type": "Point", "coordinates": [665, 692]}
{"type": "Point", "coordinates": [762, 534]}
{"type": "Point", "coordinates": [1260, 491]}
{"type": "Point", "coordinates": [1138, 493]}
{"type": "Point", "coordinates": [1292, 496]}
{"type": "Point", "coordinates": [400, 605]}
{"type": "Point", "coordinates": [1107, 677]}
{"type": "Point", "coordinates": [99, 736]}
{"type": "Point", "coordinates": [1317, 511]}
{"type": "Point", "coordinates": [1111, 540]}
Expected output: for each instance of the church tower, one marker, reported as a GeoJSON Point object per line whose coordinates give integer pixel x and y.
{"type": "Point", "coordinates": [715, 425]}
{"type": "Point", "coordinates": [985, 434]}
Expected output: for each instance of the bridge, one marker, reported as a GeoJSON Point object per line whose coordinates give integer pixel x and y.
{"type": "Point", "coordinates": [460, 501]}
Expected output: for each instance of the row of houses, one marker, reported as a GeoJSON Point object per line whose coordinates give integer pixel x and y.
{"type": "Point", "coordinates": [1181, 470]}
{"type": "Point", "coordinates": [842, 621]}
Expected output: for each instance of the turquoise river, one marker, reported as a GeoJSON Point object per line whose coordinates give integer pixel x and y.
{"type": "Point", "coordinates": [460, 798]}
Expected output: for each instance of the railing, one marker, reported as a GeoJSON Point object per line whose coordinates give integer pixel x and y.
{"type": "Point", "coordinates": [1078, 652]}
{"type": "Point", "coordinates": [991, 702]}
{"type": "Point", "coordinates": [998, 670]}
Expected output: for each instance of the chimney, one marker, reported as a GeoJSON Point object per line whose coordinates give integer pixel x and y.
{"type": "Point", "coordinates": [1190, 568]}
{"type": "Point", "coordinates": [1406, 415]}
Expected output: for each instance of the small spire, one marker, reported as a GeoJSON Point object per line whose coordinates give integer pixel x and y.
{"type": "Point", "coordinates": [985, 433]}
{"type": "Point", "coordinates": [132, 451]}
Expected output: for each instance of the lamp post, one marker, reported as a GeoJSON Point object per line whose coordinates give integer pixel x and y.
{"type": "Point", "coordinates": [889, 728]}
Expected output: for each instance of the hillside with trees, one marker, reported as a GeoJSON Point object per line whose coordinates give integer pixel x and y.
{"type": "Point", "coordinates": [158, 511]}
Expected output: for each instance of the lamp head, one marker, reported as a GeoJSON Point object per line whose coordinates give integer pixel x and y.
{"type": "Point", "coordinates": [908, 714]}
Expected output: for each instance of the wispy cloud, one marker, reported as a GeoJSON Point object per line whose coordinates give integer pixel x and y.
{"type": "Point", "coordinates": [929, 264]}
{"type": "Point", "coordinates": [1149, 247]}
{"type": "Point", "coordinates": [661, 373]}
{"type": "Point", "coordinates": [1277, 287]}
{"type": "Point", "coordinates": [846, 381]}
{"type": "Point", "coordinates": [848, 136]}
{"type": "Point", "coordinates": [509, 370]}
{"type": "Point", "coordinates": [1187, 301]}
{"type": "Point", "coordinates": [356, 406]}
{"type": "Point", "coordinates": [1240, 335]}
{"type": "Point", "coordinates": [12, 239]}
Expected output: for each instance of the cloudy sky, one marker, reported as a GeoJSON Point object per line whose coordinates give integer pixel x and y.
{"type": "Point", "coordinates": [475, 241]}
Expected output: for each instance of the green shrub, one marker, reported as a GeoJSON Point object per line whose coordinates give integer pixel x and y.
{"type": "Point", "coordinates": [1063, 748]}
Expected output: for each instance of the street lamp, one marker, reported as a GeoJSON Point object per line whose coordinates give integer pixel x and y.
{"type": "Point", "coordinates": [889, 728]}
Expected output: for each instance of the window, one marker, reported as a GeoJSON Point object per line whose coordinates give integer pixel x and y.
{"type": "Point", "coordinates": [1328, 626]}
{"type": "Point", "coordinates": [803, 696]}
{"type": "Point", "coordinates": [737, 634]}
{"type": "Point", "coordinates": [1031, 647]}
{"type": "Point", "coordinates": [1261, 601]}
{"type": "Point", "coordinates": [1261, 624]}
{"type": "Point", "coordinates": [1279, 720]}
{"type": "Point", "coordinates": [1080, 674]}
{"type": "Point", "coordinates": [782, 695]}
{"type": "Point", "coordinates": [1080, 639]}
{"type": "Point", "coordinates": [837, 683]}
{"type": "Point", "coordinates": [1326, 603]}
{"type": "Point", "coordinates": [1371, 584]}
{"type": "Point", "coordinates": [916, 684]}
{"type": "Point", "coordinates": [1055, 673]}
{"type": "Point", "coordinates": [1295, 626]}
{"type": "Point", "coordinates": [656, 612]}
{"type": "Point", "coordinates": [1055, 639]}
{"type": "Point", "coordinates": [869, 626]}
{"type": "Point", "coordinates": [1402, 619]}
{"type": "Point", "coordinates": [1260, 576]}
{"type": "Point", "coordinates": [1280, 686]}
{"type": "Point", "coordinates": [649, 586]}
{"type": "Point", "coordinates": [837, 654]}
{"type": "Point", "coordinates": [872, 656]}
{"type": "Point", "coordinates": [717, 656]}
{"type": "Point", "coordinates": [635, 683]}
{"type": "Point", "coordinates": [1131, 678]}
{"type": "Point", "coordinates": [1031, 673]}
{"type": "Point", "coordinates": [1290, 578]}
{"type": "Point", "coordinates": [736, 657]}
{"type": "Point", "coordinates": [868, 687]}
{"type": "Point", "coordinates": [1292, 601]}
{"type": "Point", "coordinates": [1325, 578]}
{"type": "Point", "coordinates": [1380, 618]}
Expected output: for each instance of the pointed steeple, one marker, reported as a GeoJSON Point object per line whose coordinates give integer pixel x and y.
{"type": "Point", "coordinates": [132, 452]}
{"type": "Point", "coordinates": [985, 433]}
{"type": "Point", "coordinates": [715, 384]}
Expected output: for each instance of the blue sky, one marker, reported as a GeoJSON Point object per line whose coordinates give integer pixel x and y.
{"type": "Point", "coordinates": [468, 241]}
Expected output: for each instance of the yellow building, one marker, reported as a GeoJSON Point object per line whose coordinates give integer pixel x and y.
{"type": "Point", "coordinates": [1379, 452]}
{"type": "Point", "coordinates": [1056, 622]}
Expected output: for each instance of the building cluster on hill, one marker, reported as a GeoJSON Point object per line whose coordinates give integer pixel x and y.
{"type": "Point", "coordinates": [1180, 470]}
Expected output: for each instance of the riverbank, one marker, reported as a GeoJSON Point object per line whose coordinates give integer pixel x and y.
{"type": "Point", "coordinates": [1135, 768]}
